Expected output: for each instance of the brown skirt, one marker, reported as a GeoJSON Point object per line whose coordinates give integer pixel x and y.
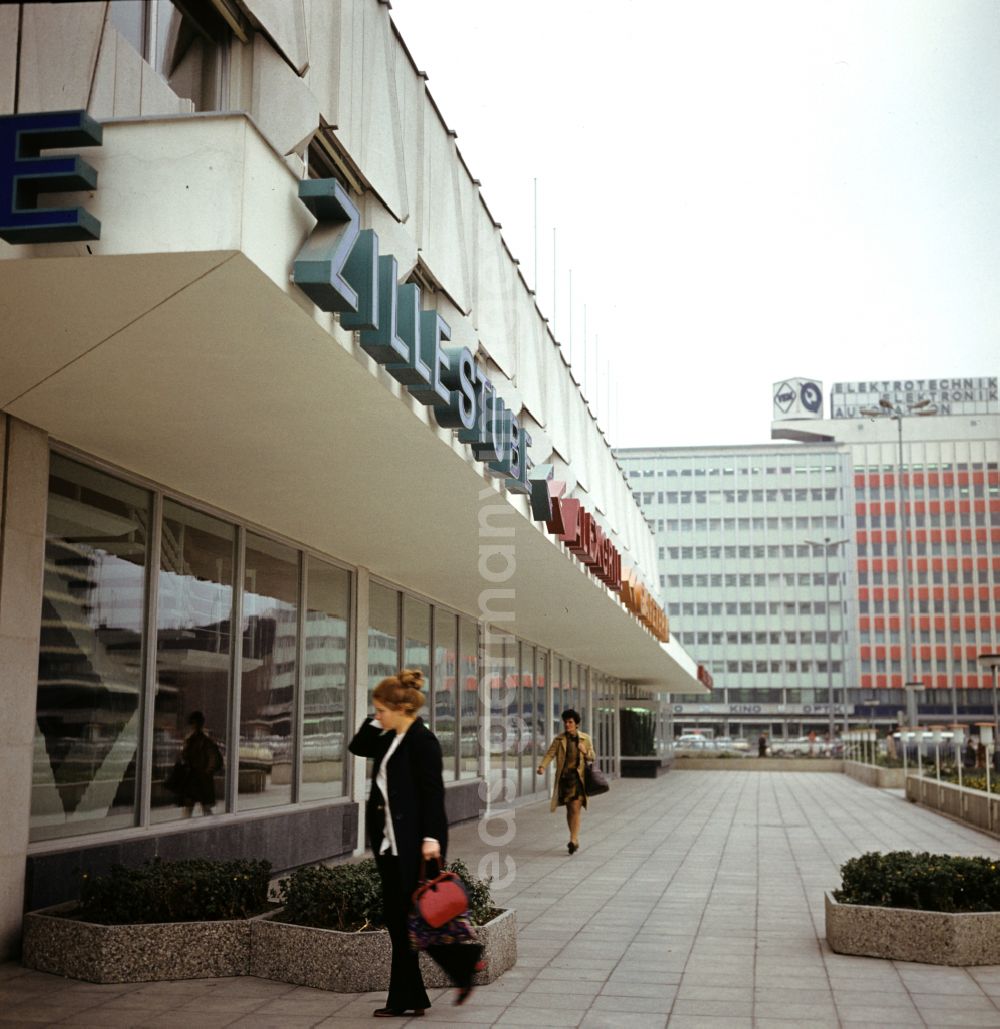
{"type": "Point", "coordinates": [570, 788]}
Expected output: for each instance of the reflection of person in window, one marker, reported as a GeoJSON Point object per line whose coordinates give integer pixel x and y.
{"type": "Point", "coordinates": [202, 759]}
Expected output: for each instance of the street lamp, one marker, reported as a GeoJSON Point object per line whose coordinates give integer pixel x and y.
{"type": "Point", "coordinates": [992, 661]}
{"type": "Point", "coordinates": [887, 409]}
{"type": "Point", "coordinates": [827, 544]}
{"type": "Point", "coordinates": [912, 707]}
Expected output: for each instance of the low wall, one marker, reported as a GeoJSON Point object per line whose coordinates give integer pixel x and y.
{"type": "Point", "coordinates": [973, 807]}
{"type": "Point", "coordinates": [873, 775]}
{"type": "Point", "coordinates": [758, 764]}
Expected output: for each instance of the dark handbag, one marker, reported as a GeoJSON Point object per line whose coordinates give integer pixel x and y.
{"type": "Point", "coordinates": [440, 913]}
{"type": "Point", "coordinates": [595, 782]}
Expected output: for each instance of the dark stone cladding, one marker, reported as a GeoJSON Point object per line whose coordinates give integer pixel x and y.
{"type": "Point", "coordinates": [462, 800]}
{"type": "Point", "coordinates": [287, 839]}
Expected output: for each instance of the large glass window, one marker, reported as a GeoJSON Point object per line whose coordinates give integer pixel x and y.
{"type": "Point", "coordinates": [469, 722]}
{"type": "Point", "coordinates": [267, 687]}
{"type": "Point", "coordinates": [383, 634]}
{"type": "Point", "coordinates": [92, 690]}
{"type": "Point", "coordinates": [417, 638]}
{"type": "Point", "coordinates": [324, 680]}
{"type": "Point", "coordinates": [89, 702]}
{"type": "Point", "coordinates": [193, 651]}
{"type": "Point", "coordinates": [445, 684]}
{"type": "Point", "coordinates": [526, 719]}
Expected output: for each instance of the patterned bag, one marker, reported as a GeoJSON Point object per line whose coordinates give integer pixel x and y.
{"type": "Point", "coordinates": [440, 913]}
{"type": "Point", "coordinates": [422, 935]}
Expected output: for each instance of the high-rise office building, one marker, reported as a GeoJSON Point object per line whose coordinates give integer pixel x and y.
{"type": "Point", "coordinates": [766, 611]}
{"type": "Point", "coordinates": [862, 559]}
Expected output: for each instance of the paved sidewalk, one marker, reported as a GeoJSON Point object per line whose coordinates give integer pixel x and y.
{"type": "Point", "coordinates": [696, 900]}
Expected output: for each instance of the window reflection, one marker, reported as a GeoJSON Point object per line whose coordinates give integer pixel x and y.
{"type": "Point", "coordinates": [89, 708]}
{"type": "Point", "coordinates": [383, 634]}
{"type": "Point", "coordinates": [193, 646]}
{"type": "Point", "coordinates": [328, 604]}
{"type": "Point", "coordinates": [469, 721]}
{"type": "Point", "coordinates": [267, 687]}
{"type": "Point", "coordinates": [445, 680]}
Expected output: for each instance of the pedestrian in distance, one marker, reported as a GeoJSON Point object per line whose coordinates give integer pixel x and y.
{"type": "Point", "coordinates": [407, 827]}
{"type": "Point", "coordinates": [762, 745]}
{"type": "Point", "coordinates": [571, 750]}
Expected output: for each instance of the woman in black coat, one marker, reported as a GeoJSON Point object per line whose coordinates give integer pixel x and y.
{"type": "Point", "coordinates": [407, 825]}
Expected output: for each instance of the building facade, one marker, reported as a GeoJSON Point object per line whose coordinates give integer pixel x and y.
{"type": "Point", "coordinates": [767, 611]}
{"type": "Point", "coordinates": [279, 415]}
{"type": "Point", "coordinates": [867, 505]}
{"type": "Point", "coordinates": [925, 459]}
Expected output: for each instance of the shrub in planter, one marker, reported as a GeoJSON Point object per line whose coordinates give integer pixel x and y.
{"type": "Point", "coordinates": [175, 891]}
{"type": "Point", "coordinates": [924, 882]}
{"type": "Point", "coordinates": [348, 897]}
{"type": "Point", "coordinates": [165, 920]}
{"type": "Point", "coordinates": [932, 908]}
{"type": "Point", "coordinates": [326, 934]}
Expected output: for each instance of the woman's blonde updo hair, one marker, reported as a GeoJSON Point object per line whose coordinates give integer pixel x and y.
{"type": "Point", "coordinates": [403, 692]}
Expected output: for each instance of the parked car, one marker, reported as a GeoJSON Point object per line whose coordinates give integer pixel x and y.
{"type": "Point", "coordinates": [694, 741]}
{"type": "Point", "coordinates": [799, 746]}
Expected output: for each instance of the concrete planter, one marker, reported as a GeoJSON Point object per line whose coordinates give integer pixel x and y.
{"type": "Point", "coordinates": [875, 775]}
{"type": "Point", "coordinates": [133, 953]}
{"type": "Point", "coordinates": [973, 807]}
{"type": "Point", "coordinates": [757, 764]}
{"type": "Point", "coordinates": [902, 934]}
{"type": "Point", "coordinates": [359, 962]}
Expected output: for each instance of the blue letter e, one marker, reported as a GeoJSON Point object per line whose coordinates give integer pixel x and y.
{"type": "Point", "coordinates": [23, 175]}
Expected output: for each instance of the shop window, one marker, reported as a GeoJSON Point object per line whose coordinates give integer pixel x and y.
{"type": "Point", "coordinates": [269, 628]}
{"type": "Point", "coordinates": [383, 634]}
{"type": "Point", "coordinates": [325, 680]}
{"type": "Point", "coordinates": [194, 612]}
{"type": "Point", "coordinates": [417, 638]}
{"type": "Point", "coordinates": [89, 708]}
{"type": "Point", "coordinates": [444, 688]}
{"type": "Point", "coordinates": [468, 766]}
{"type": "Point", "coordinates": [525, 742]}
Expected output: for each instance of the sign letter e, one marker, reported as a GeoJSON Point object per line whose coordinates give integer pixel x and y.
{"type": "Point", "coordinates": [24, 175]}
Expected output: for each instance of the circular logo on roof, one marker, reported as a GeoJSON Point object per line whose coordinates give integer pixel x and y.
{"type": "Point", "coordinates": [812, 397]}
{"type": "Point", "coordinates": [784, 397]}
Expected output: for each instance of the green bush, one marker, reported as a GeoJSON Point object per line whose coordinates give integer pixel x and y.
{"type": "Point", "coordinates": [349, 897]}
{"type": "Point", "coordinates": [926, 882]}
{"type": "Point", "coordinates": [175, 891]}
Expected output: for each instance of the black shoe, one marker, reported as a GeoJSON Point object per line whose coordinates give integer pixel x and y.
{"type": "Point", "coordinates": [393, 1013]}
{"type": "Point", "coordinates": [572, 848]}
{"type": "Point", "coordinates": [466, 991]}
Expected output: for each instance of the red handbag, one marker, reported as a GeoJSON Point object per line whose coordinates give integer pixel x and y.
{"type": "Point", "coordinates": [441, 899]}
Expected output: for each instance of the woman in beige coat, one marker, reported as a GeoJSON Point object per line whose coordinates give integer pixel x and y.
{"type": "Point", "coordinates": [570, 750]}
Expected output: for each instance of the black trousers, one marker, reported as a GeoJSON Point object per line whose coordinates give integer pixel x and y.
{"type": "Point", "coordinates": [406, 984]}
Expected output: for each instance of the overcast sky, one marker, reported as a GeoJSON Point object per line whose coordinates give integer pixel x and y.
{"type": "Point", "coordinates": [740, 191]}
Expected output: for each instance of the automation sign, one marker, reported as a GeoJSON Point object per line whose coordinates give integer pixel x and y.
{"type": "Point", "coordinates": [341, 270]}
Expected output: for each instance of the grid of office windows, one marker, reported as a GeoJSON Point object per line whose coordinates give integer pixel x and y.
{"type": "Point", "coordinates": [755, 564]}
{"type": "Point", "coordinates": [941, 512]}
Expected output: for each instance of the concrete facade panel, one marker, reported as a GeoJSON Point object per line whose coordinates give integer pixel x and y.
{"type": "Point", "coordinates": [59, 46]}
